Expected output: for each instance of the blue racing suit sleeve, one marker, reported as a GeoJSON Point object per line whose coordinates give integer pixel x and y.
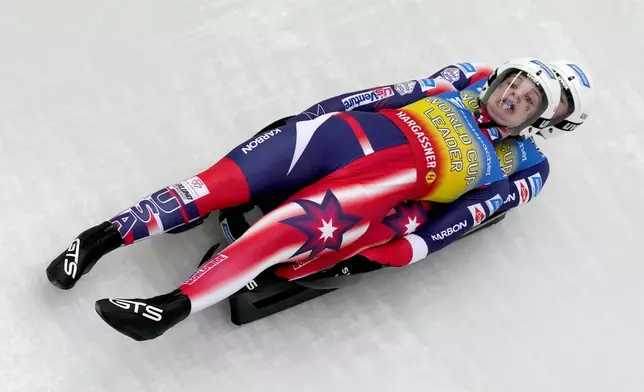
{"type": "Point", "coordinates": [454, 77]}
{"type": "Point", "coordinates": [377, 98]}
{"type": "Point", "coordinates": [475, 207]}
{"type": "Point", "coordinates": [461, 216]}
{"type": "Point", "coordinates": [525, 185]}
{"type": "Point", "coordinates": [443, 227]}
{"type": "Point", "coordinates": [452, 221]}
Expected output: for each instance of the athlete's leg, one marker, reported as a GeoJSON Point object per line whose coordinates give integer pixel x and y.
{"type": "Point", "coordinates": [322, 219]}
{"type": "Point", "coordinates": [282, 160]}
{"type": "Point", "coordinates": [401, 220]}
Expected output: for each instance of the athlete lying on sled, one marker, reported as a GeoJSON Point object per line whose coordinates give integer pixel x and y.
{"type": "Point", "coordinates": [366, 171]}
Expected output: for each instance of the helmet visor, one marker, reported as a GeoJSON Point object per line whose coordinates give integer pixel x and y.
{"type": "Point", "coordinates": [515, 100]}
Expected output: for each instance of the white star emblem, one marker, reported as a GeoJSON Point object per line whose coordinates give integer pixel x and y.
{"type": "Point", "coordinates": [327, 229]}
{"type": "Point", "coordinates": [411, 225]}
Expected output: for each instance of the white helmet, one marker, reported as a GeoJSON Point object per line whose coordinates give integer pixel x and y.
{"type": "Point", "coordinates": [576, 91]}
{"type": "Point", "coordinates": [547, 85]}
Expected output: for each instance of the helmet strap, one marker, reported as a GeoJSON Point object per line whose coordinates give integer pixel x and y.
{"type": "Point", "coordinates": [489, 124]}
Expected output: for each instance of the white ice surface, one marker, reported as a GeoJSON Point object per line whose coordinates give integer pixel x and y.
{"type": "Point", "coordinates": [103, 102]}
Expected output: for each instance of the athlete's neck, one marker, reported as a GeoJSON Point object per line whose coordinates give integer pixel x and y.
{"type": "Point", "coordinates": [493, 131]}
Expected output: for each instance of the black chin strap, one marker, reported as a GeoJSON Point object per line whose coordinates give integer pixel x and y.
{"type": "Point", "coordinates": [489, 124]}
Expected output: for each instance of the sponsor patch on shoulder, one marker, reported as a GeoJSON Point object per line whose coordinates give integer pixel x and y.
{"type": "Point", "coordinates": [406, 87]}
{"type": "Point", "coordinates": [426, 84]}
{"type": "Point", "coordinates": [451, 74]}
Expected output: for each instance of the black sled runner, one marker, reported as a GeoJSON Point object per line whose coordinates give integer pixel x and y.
{"type": "Point", "coordinates": [268, 294]}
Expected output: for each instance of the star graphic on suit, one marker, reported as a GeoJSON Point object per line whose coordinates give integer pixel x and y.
{"type": "Point", "coordinates": [327, 229]}
{"type": "Point", "coordinates": [323, 224]}
{"type": "Point", "coordinates": [407, 218]}
{"type": "Point", "coordinates": [412, 225]}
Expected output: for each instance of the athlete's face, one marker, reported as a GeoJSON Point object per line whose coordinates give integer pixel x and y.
{"type": "Point", "coordinates": [514, 101]}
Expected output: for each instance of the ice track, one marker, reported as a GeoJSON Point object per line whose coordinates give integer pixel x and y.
{"type": "Point", "coordinates": [102, 103]}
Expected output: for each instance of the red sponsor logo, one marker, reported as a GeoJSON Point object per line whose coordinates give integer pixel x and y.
{"type": "Point", "coordinates": [478, 213]}
{"type": "Point", "coordinates": [524, 193]}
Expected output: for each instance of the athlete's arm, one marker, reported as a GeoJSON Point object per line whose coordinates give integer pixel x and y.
{"type": "Point", "coordinates": [525, 185]}
{"type": "Point", "coordinates": [462, 216]}
{"type": "Point", "coordinates": [377, 98]}
{"type": "Point", "coordinates": [442, 229]}
{"type": "Point", "coordinates": [454, 77]}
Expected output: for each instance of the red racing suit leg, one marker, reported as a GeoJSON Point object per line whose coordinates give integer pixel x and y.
{"type": "Point", "coordinates": [322, 219]}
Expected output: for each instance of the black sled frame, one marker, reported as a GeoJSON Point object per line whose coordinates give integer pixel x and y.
{"type": "Point", "coordinates": [267, 294]}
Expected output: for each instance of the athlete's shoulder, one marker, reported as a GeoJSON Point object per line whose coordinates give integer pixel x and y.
{"type": "Point", "coordinates": [463, 74]}
{"type": "Point", "coordinates": [480, 72]}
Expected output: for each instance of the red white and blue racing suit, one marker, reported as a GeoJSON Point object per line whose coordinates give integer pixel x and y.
{"type": "Point", "coordinates": [365, 170]}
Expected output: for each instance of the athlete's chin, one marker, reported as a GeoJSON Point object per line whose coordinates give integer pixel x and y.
{"type": "Point", "coordinates": [498, 116]}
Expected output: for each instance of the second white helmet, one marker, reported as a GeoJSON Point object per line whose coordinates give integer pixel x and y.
{"type": "Point", "coordinates": [576, 99]}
